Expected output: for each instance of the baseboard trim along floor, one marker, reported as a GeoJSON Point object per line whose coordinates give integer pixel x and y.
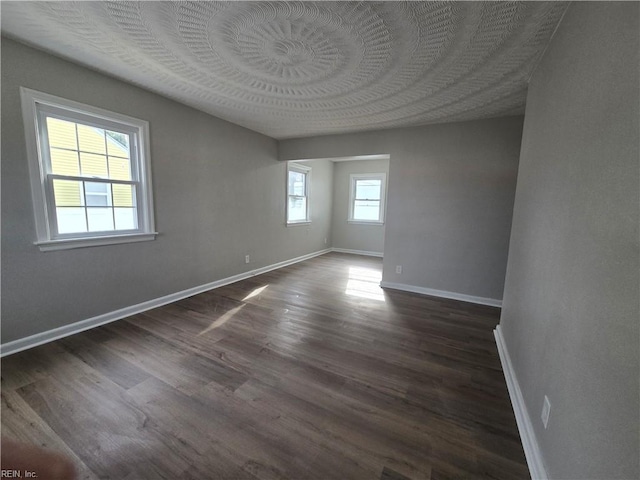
{"type": "Point", "coordinates": [77, 327]}
{"type": "Point", "coordinates": [357, 252]}
{"type": "Point", "coordinates": [492, 302]}
{"type": "Point", "coordinates": [525, 427]}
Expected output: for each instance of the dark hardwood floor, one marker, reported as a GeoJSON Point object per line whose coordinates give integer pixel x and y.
{"type": "Point", "coordinates": [307, 372]}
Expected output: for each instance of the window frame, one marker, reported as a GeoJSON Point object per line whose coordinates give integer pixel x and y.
{"type": "Point", "coordinates": [353, 178]}
{"type": "Point", "coordinates": [36, 107]}
{"type": "Point", "coordinates": [306, 171]}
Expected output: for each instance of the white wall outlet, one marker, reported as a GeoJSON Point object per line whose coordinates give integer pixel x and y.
{"type": "Point", "coordinates": [325, 240]}
{"type": "Point", "coordinates": [546, 409]}
{"type": "Point", "coordinates": [398, 269]}
{"type": "Point", "coordinates": [246, 259]}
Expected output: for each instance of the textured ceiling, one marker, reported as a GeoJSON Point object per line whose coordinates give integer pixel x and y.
{"type": "Point", "coordinates": [290, 69]}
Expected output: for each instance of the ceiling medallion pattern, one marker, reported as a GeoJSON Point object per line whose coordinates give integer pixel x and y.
{"type": "Point", "coordinates": [290, 69]}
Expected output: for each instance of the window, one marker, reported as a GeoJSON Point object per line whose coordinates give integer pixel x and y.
{"type": "Point", "coordinates": [298, 193]}
{"type": "Point", "coordinates": [90, 177]}
{"type": "Point", "coordinates": [366, 200]}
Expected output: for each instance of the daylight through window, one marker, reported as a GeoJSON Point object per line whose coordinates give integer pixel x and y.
{"type": "Point", "coordinates": [298, 193]}
{"type": "Point", "coordinates": [366, 203]}
{"type": "Point", "coordinates": [91, 178]}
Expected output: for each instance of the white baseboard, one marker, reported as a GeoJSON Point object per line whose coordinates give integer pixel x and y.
{"type": "Point", "coordinates": [77, 327]}
{"type": "Point", "coordinates": [357, 252]}
{"type": "Point", "coordinates": [525, 427]}
{"type": "Point", "coordinates": [442, 293]}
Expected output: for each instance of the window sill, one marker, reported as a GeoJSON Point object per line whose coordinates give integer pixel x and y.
{"type": "Point", "coordinates": [365, 222]}
{"type": "Point", "coordinates": [66, 244]}
{"type": "Point", "coordinates": [297, 224]}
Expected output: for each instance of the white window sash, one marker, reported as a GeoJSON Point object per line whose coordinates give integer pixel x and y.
{"type": "Point", "coordinates": [37, 106]}
{"type": "Point", "coordinates": [52, 206]}
{"type": "Point", "coordinates": [306, 171]}
{"type": "Point", "coordinates": [354, 178]}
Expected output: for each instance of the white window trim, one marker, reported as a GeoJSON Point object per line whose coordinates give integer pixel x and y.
{"type": "Point", "coordinates": [352, 194]}
{"type": "Point", "coordinates": [44, 220]}
{"type": "Point", "coordinates": [296, 167]}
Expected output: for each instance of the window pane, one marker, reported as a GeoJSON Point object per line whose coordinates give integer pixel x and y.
{"type": "Point", "coordinates": [64, 162]}
{"type": "Point", "coordinates": [62, 134]}
{"type": "Point", "coordinates": [71, 220]}
{"type": "Point", "coordinates": [91, 139]}
{"type": "Point", "coordinates": [97, 194]}
{"type": "Point", "coordinates": [100, 219]}
{"type": "Point", "coordinates": [117, 144]}
{"type": "Point", "coordinates": [119, 168]}
{"type": "Point", "coordinates": [126, 218]}
{"type": "Point", "coordinates": [123, 195]}
{"type": "Point", "coordinates": [297, 182]}
{"type": "Point", "coordinates": [67, 193]}
{"type": "Point", "coordinates": [93, 165]}
{"type": "Point", "coordinates": [366, 210]}
{"type": "Point", "coordinates": [297, 209]}
{"type": "Point", "coordinates": [94, 178]}
{"type": "Point", "coordinates": [368, 189]}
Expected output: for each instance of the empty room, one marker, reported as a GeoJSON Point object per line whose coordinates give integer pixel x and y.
{"type": "Point", "coordinates": [320, 240]}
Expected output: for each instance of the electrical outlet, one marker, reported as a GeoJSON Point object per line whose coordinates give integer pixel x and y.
{"type": "Point", "coordinates": [325, 240]}
{"type": "Point", "coordinates": [398, 269]}
{"type": "Point", "coordinates": [546, 409]}
{"type": "Point", "coordinates": [246, 259]}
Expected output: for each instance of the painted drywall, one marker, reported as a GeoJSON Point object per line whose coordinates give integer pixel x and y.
{"type": "Point", "coordinates": [450, 199]}
{"type": "Point", "coordinates": [219, 193]}
{"type": "Point", "coordinates": [570, 314]}
{"type": "Point", "coordinates": [354, 236]}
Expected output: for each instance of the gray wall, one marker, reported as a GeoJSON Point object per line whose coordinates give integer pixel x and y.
{"type": "Point", "coordinates": [354, 236]}
{"type": "Point", "coordinates": [449, 203]}
{"type": "Point", "coordinates": [219, 194]}
{"type": "Point", "coordinates": [570, 316]}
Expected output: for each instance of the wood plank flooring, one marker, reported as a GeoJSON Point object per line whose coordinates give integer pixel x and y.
{"type": "Point", "coordinates": [307, 372]}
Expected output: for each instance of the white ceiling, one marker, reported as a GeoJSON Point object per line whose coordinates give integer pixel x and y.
{"type": "Point", "coordinates": [291, 69]}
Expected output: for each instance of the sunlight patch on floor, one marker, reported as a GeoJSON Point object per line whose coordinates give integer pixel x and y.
{"type": "Point", "coordinates": [365, 283]}
{"type": "Point", "coordinates": [222, 320]}
{"type": "Point", "coordinates": [255, 292]}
